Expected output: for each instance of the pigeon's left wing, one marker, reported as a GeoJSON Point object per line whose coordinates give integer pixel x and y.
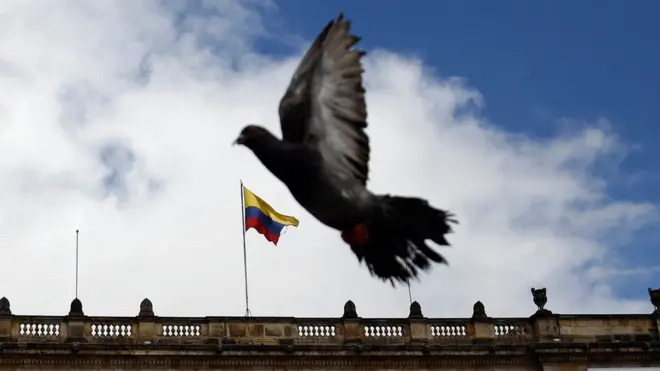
{"type": "Point", "coordinates": [324, 106]}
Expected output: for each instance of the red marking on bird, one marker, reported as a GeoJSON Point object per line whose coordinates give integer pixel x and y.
{"type": "Point", "coordinates": [359, 235]}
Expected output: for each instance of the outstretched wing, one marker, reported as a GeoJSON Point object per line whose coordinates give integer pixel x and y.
{"type": "Point", "coordinates": [324, 106]}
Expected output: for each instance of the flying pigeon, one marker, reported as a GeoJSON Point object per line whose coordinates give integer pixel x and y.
{"type": "Point", "coordinates": [323, 158]}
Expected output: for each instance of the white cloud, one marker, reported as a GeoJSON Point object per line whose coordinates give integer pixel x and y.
{"type": "Point", "coordinates": [81, 79]}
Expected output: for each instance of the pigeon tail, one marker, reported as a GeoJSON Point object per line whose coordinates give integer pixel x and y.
{"type": "Point", "coordinates": [392, 242]}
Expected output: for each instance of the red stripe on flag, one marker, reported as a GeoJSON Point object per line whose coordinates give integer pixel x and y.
{"type": "Point", "coordinates": [255, 222]}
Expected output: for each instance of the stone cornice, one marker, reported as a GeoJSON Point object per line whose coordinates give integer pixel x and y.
{"type": "Point", "coordinates": [371, 358]}
{"type": "Point", "coordinates": [92, 355]}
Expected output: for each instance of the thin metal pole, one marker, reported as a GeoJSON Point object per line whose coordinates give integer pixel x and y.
{"type": "Point", "coordinates": [409, 292]}
{"type": "Point", "coordinates": [77, 232]}
{"type": "Point", "coordinates": [247, 305]}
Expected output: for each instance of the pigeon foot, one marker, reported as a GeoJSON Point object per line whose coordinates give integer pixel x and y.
{"type": "Point", "coordinates": [359, 235]}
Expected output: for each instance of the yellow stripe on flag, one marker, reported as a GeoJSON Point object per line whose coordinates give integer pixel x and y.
{"type": "Point", "coordinates": [250, 199]}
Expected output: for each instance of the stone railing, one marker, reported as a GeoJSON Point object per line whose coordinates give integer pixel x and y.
{"type": "Point", "coordinates": [350, 329]}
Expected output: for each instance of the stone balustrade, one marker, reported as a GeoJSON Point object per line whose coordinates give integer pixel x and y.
{"type": "Point", "coordinates": [546, 333]}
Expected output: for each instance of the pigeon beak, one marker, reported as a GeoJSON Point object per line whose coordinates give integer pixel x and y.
{"type": "Point", "coordinates": [239, 140]}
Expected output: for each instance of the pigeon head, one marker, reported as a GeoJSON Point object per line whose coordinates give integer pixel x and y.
{"type": "Point", "coordinates": [252, 135]}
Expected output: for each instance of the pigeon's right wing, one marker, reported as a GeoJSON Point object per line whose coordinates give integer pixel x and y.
{"type": "Point", "coordinates": [324, 106]}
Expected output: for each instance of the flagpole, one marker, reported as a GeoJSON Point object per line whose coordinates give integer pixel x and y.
{"type": "Point", "coordinates": [247, 306]}
{"type": "Point", "coordinates": [77, 263]}
{"type": "Point", "coordinates": [409, 292]}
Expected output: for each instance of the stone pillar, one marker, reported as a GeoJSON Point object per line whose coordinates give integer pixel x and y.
{"type": "Point", "coordinates": [544, 324]}
{"type": "Point", "coordinates": [654, 296]}
{"type": "Point", "coordinates": [5, 319]}
{"type": "Point", "coordinates": [483, 329]}
{"type": "Point", "coordinates": [546, 328]}
{"type": "Point", "coordinates": [73, 330]}
{"type": "Point", "coordinates": [353, 331]}
{"type": "Point", "coordinates": [146, 322]}
{"type": "Point", "coordinates": [419, 327]}
{"type": "Point", "coordinates": [217, 331]}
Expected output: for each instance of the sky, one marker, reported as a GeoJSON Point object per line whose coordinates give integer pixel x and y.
{"type": "Point", "coordinates": [533, 124]}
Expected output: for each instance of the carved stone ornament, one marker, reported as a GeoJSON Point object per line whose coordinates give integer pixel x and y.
{"type": "Point", "coordinates": [654, 295]}
{"type": "Point", "coordinates": [415, 310]}
{"type": "Point", "coordinates": [349, 310]}
{"type": "Point", "coordinates": [479, 311]}
{"type": "Point", "coordinates": [76, 309]}
{"type": "Point", "coordinates": [146, 308]}
{"type": "Point", "coordinates": [5, 307]}
{"type": "Point", "coordinates": [540, 299]}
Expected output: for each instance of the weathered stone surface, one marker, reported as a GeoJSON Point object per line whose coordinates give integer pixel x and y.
{"type": "Point", "coordinates": [276, 330]}
{"type": "Point", "coordinates": [611, 325]}
{"type": "Point", "coordinates": [237, 330]}
{"type": "Point", "coordinates": [256, 330]}
{"type": "Point", "coordinates": [216, 330]}
{"type": "Point", "coordinates": [568, 367]}
{"type": "Point", "coordinates": [545, 340]}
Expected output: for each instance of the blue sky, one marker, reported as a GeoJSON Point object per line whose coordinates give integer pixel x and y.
{"type": "Point", "coordinates": [536, 63]}
{"type": "Point", "coordinates": [552, 178]}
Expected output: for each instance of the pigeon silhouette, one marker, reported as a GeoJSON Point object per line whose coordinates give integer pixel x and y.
{"type": "Point", "coordinates": [323, 158]}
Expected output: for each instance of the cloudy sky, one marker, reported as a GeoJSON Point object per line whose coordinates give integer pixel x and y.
{"type": "Point", "coordinates": [116, 118]}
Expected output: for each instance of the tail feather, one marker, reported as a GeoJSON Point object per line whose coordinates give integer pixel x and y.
{"type": "Point", "coordinates": [396, 249]}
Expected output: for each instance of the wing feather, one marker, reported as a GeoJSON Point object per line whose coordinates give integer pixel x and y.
{"type": "Point", "coordinates": [325, 106]}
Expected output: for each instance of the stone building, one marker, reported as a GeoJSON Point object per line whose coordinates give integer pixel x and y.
{"type": "Point", "coordinates": [543, 341]}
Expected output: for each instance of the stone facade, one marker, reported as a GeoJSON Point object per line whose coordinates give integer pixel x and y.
{"type": "Point", "coordinates": [543, 341]}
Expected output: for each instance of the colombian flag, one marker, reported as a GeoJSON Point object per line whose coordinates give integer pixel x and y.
{"type": "Point", "coordinates": [261, 216]}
